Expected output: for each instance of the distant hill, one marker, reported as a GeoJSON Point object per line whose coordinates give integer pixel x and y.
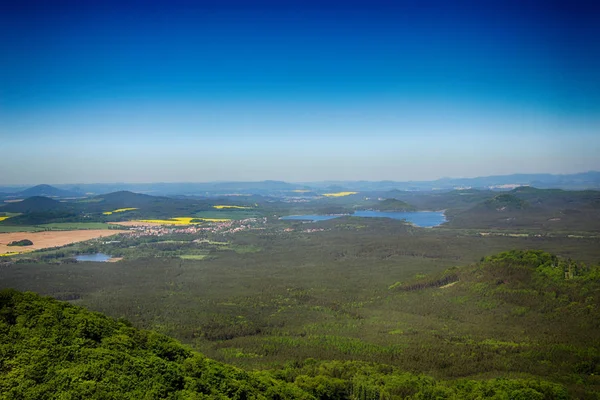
{"type": "Point", "coordinates": [262, 185]}
{"type": "Point", "coordinates": [33, 205]}
{"type": "Point", "coordinates": [441, 200]}
{"type": "Point", "coordinates": [532, 208]}
{"type": "Point", "coordinates": [579, 181]}
{"type": "Point", "coordinates": [147, 207]}
{"type": "Point", "coordinates": [46, 191]}
{"type": "Point", "coordinates": [505, 202]}
{"type": "Point", "coordinates": [126, 198]}
{"type": "Point", "coordinates": [393, 205]}
{"type": "Point", "coordinates": [557, 198]}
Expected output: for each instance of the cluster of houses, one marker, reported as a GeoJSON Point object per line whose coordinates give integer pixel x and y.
{"type": "Point", "coordinates": [224, 227]}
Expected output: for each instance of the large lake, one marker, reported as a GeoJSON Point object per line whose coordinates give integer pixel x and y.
{"type": "Point", "coordinates": [97, 257]}
{"type": "Point", "coordinates": [424, 219]}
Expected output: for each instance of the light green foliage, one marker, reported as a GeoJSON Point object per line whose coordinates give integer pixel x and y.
{"type": "Point", "coordinates": [192, 256]}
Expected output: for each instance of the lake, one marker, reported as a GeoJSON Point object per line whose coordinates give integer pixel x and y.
{"type": "Point", "coordinates": [98, 257]}
{"type": "Point", "coordinates": [424, 219]}
{"type": "Point", "coordinates": [313, 218]}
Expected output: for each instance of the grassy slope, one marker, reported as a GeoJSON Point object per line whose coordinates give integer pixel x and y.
{"type": "Point", "coordinates": [57, 226]}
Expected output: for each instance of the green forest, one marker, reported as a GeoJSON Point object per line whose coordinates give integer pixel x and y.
{"type": "Point", "coordinates": [53, 350]}
{"type": "Point", "coordinates": [515, 325]}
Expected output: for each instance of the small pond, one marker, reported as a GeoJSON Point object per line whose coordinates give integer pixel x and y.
{"type": "Point", "coordinates": [97, 257]}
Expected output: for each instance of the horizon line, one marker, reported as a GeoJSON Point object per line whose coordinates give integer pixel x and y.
{"type": "Point", "coordinates": [297, 182]}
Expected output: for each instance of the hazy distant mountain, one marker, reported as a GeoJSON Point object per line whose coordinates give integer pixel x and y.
{"type": "Point", "coordinates": [34, 204]}
{"type": "Point", "coordinates": [580, 181]}
{"type": "Point", "coordinates": [187, 188]}
{"type": "Point", "coordinates": [46, 191]}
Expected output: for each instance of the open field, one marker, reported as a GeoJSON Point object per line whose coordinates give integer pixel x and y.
{"type": "Point", "coordinates": [68, 226]}
{"type": "Point", "coordinates": [233, 214]}
{"type": "Point", "coordinates": [192, 256]}
{"type": "Point", "coordinates": [339, 194]}
{"type": "Point", "coordinates": [136, 223]}
{"type": "Point", "coordinates": [46, 239]}
{"type": "Point", "coordinates": [119, 210]}
{"type": "Point", "coordinates": [19, 228]}
{"type": "Point", "coordinates": [56, 226]}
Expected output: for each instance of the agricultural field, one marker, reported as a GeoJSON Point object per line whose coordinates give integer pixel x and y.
{"type": "Point", "coordinates": [119, 210]}
{"type": "Point", "coordinates": [19, 228]}
{"type": "Point", "coordinates": [58, 226]}
{"type": "Point", "coordinates": [170, 221]}
{"type": "Point", "coordinates": [192, 256]}
{"type": "Point", "coordinates": [68, 226]}
{"type": "Point", "coordinates": [182, 220]}
{"type": "Point", "coordinates": [339, 194]}
{"type": "Point", "coordinates": [48, 239]}
{"type": "Point", "coordinates": [229, 214]}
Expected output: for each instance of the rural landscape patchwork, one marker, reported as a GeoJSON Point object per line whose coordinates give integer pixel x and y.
{"type": "Point", "coordinates": [299, 199]}
{"type": "Point", "coordinates": [294, 290]}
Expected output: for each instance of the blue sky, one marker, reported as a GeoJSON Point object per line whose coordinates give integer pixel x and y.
{"type": "Point", "coordinates": [299, 91]}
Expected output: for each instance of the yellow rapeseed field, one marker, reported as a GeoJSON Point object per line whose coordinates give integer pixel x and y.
{"type": "Point", "coordinates": [339, 194]}
{"type": "Point", "coordinates": [238, 207]}
{"type": "Point", "coordinates": [182, 220]}
{"type": "Point", "coordinates": [10, 253]}
{"type": "Point", "coordinates": [3, 218]}
{"type": "Point", "coordinates": [119, 210]}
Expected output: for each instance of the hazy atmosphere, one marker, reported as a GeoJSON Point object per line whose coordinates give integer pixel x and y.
{"type": "Point", "coordinates": [299, 91]}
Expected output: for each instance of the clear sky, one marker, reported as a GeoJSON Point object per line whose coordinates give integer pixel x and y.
{"type": "Point", "coordinates": [103, 91]}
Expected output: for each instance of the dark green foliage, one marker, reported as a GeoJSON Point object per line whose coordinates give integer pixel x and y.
{"type": "Point", "coordinates": [45, 217]}
{"type": "Point", "coordinates": [393, 205]}
{"type": "Point", "coordinates": [506, 202]}
{"type": "Point", "coordinates": [35, 204]}
{"type": "Point", "coordinates": [24, 242]}
{"type": "Point", "coordinates": [530, 208]}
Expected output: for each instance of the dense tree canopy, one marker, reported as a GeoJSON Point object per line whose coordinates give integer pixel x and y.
{"type": "Point", "coordinates": [53, 350]}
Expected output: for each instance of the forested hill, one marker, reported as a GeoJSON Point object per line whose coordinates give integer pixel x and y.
{"type": "Point", "coordinates": [53, 350]}
{"type": "Point", "coordinates": [393, 205]}
{"type": "Point", "coordinates": [34, 204]}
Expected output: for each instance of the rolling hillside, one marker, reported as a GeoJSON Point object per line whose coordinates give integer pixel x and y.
{"type": "Point", "coordinates": [34, 204]}
{"type": "Point", "coordinates": [54, 350]}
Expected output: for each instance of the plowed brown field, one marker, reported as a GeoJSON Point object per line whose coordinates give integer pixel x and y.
{"type": "Point", "coordinates": [43, 240]}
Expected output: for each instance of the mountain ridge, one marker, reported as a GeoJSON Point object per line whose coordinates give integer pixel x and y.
{"type": "Point", "coordinates": [576, 181]}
